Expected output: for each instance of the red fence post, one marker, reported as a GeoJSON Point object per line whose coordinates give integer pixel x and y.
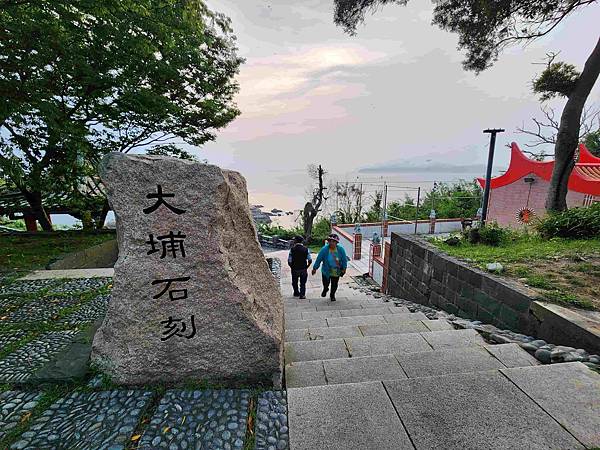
{"type": "Point", "coordinates": [386, 266]}
{"type": "Point", "coordinates": [357, 245]}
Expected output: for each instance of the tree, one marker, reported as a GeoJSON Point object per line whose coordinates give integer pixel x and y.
{"type": "Point", "coordinates": [545, 130]}
{"type": "Point", "coordinates": [485, 28]}
{"type": "Point", "coordinates": [374, 213]}
{"type": "Point", "coordinates": [79, 79]}
{"type": "Point", "coordinates": [592, 142]}
{"type": "Point", "coordinates": [350, 205]}
{"type": "Point", "coordinates": [314, 205]}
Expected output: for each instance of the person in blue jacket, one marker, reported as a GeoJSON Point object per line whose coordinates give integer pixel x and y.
{"type": "Point", "coordinates": [333, 262]}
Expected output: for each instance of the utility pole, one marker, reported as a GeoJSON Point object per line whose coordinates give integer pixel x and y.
{"type": "Point", "coordinates": [488, 175]}
{"type": "Point", "coordinates": [417, 209]}
{"type": "Point", "coordinates": [383, 209]}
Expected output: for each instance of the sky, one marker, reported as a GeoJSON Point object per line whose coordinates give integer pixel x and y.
{"type": "Point", "coordinates": [395, 93]}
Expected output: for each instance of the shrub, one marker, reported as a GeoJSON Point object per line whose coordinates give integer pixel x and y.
{"type": "Point", "coordinates": [492, 234]}
{"type": "Point", "coordinates": [276, 230]}
{"type": "Point", "coordinates": [573, 223]}
{"type": "Point", "coordinates": [321, 230]}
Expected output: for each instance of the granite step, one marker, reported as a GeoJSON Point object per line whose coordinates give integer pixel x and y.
{"type": "Point", "coordinates": [406, 365]}
{"type": "Point", "coordinates": [353, 320]}
{"type": "Point", "coordinates": [323, 333]}
{"type": "Point", "coordinates": [379, 345]}
{"type": "Point", "coordinates": [372, 311]}
{"type": "Point", "coordinates": [536, 407]}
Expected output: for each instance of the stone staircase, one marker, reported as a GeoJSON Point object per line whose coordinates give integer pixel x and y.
{"type": "Point", "coordinates": [365, 374]}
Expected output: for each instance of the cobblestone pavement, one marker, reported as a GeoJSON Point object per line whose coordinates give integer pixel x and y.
{"type": "Point", "coordinates": [199, 419]}
{"type": "Point", "coordinates": [40, 320]}
{"type": "Point", "coordinates": [14, 405]}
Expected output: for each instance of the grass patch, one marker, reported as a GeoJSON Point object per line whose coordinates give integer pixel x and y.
{"type": "Point", "coordinates": [29, 252]}
{"type": "Point", "coordinates": [563, 271]}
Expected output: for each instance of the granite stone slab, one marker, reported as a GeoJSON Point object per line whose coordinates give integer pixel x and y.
{"type": "Point", "coordinates": [569, 392]}
{"type": "Point", "coordinates": [294, 315]}
{"type": "Point", "coordinates": [344, 417]}
{"type": "Point", "coordinates": [271, 421]}
{"type": "Point", "coordinates": [14, 405]}
{"type": "Point", "coordinates": [379, 311]}
{"type": "Point", "coordinates": [198, 419]}
{"type": "Point", "coordinates": [387, 344]}
{"type": "Point", "coordinates": [320, 314]}
{"type": "Point", "coordinates": [315, 350]}
{"type": "Point", "coordinates": [396, 328]}
{"type": "Point", "coordinates": [438, 325]}
{"type": "Point", "coordinates": [453, 338]}
{"type": "Point", "coordinates": [303, 324]}
{"type": "Point", "coordinates": [512, 355]}
{"type": "Point", "coordinates": [447, 361]}
{"type": "Point", "coordinates": [354, 321]}
{"type": "Point", "coordinates": [305, 373]}
{"type": "Point", "coordinates": [474, 411]}
{"type": "Point", "coordinates": [315, 334]}
{"type": "Point", "coordinates": [403, 317]}
{"type": "Point", "coordinates": [338, 306]}
{"type": "Point", "coordinates": [368, 368]}
{"type": "Point", "coordinates": [87, 420]}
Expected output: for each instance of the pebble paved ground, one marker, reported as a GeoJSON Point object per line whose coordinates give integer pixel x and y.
{"type": "Point", "coordinates": [39, 321]}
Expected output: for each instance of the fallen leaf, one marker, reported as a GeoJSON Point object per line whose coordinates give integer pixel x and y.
{"type": "Point", "coordinates": [25, 417]}
{"type": "Point", "coordinates": [136, 437]}
{"type": "Point", "coordinates": [166, 430]}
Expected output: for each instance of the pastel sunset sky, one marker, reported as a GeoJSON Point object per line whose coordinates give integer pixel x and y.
{"type": "Point", "coordinates": [395, 92]}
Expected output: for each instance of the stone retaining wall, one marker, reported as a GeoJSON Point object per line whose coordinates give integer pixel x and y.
{"type": "Point", "coordinates": [422, 273]}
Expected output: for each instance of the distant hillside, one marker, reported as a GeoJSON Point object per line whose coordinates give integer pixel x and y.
{"type": "Point", "coordinates": [434, 167]}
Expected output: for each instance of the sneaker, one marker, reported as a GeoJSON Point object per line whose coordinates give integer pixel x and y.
{"type": "Point", "coordinates": [332, 298]}
{"type": "Point", "coordinates": [296, 294]}
{"type": "Point", "coordinates": [324, 293]}
{"type": "Point", "coordinates": [302, 297]}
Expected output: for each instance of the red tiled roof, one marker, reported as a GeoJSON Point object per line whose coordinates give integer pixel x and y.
{"type": "Point", "coordinates": [585, 177]}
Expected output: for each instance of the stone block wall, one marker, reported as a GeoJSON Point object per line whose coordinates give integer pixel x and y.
{"type": "Point", "coordinates": [420, 272]}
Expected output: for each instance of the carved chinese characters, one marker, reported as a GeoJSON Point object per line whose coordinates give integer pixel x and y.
{"type": "Point", "coordinates": [193, 298]}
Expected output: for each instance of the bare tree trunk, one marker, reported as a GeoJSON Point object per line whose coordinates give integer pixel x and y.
{"type": "Point", "coordinates": [312, 208]}
{"type": "Point", "coordinates": [568, 133]}
{"type": "Point", "coordinates": [35, 202]}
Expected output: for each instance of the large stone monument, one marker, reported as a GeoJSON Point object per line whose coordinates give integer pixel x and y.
{"type": "Point", "coordinates": [193, 297]}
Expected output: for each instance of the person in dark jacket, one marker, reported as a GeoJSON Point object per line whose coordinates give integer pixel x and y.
{"type": "Point", "coordinates": [299, 261]}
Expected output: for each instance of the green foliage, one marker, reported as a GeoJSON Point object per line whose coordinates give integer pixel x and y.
{"type": "Point", "coordinates": [35, 252]}
{"type": "Point", "coordinates": [82, 78]}
{"type": "Point", "coordinates": [573, 223]}
{"type": "Point", "coordinates": [279, 231]}
{"type": "Point", "coordinates": [592, 142]}
{"type": "Point", "coordinates": [321, 230]}
{"type": "Point", "coordinates": [493, 234]}
{"type": "Point", "coordinates": [374, 213]}
{"type": "Point", "coordinates": [449, 200]}
{"type": "Point", "coordinates": [558, 80]}
{"type": "Point", "coordinates": [402, 210]}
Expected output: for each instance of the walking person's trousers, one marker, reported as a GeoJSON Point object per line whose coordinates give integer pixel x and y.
{"type": "Point", "coordinates": [334, 284]}
{"type": "Point", "coordinates": [302, 276]}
